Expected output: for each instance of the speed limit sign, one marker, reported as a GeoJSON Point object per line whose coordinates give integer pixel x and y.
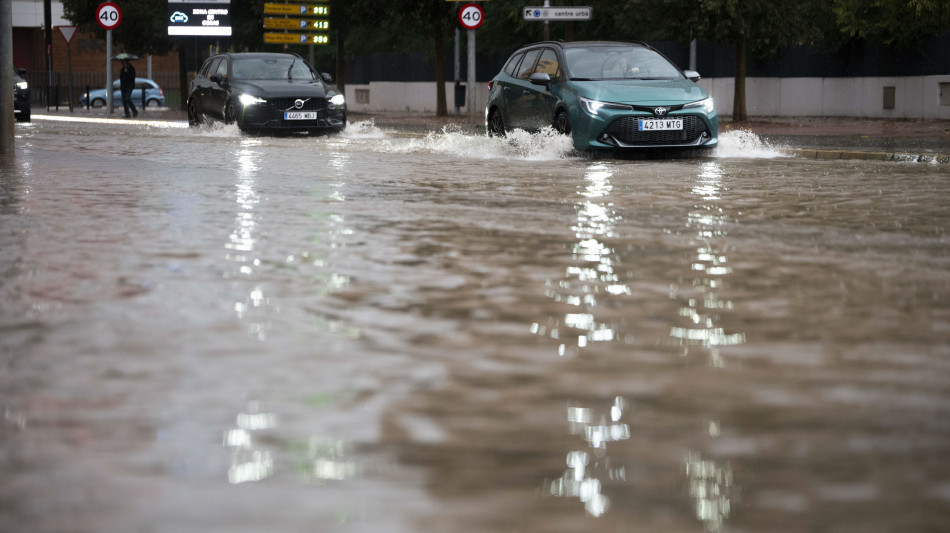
{"type": "Point", "coordinates": [471, 16]}
{"type": "Point", "coordinates": [108, 15]}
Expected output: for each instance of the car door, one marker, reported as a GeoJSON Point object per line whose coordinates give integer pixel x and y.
{"type": "Point", "coordinates": [519, 97]}
{"type": "Point", "coordinates": [201, 84]}
{"type": "Point", "coordinates": [542, 100]}
{"type": "Point", "coordinates": [218, 92]}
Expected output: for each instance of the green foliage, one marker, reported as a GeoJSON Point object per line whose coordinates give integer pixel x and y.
{"type": "Point", "coordinates": [900, 23]}
{"type": "Point", "coordinates": [142, 30]}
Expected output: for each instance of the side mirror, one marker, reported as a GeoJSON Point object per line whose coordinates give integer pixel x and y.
{"type": "Point", "coordinates": [541, 78]}
{"type": "Point", "coordinates": [326, 77]}
{"type": "Point", "coordinates": [217, 78]}
{"type": "Point", "coordinates": [21, 71]}
{"type": "Point", "coordinates": [692, 75]}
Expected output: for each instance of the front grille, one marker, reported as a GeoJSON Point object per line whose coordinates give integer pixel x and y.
{"type": "Point", "coordinates": [285, 104]}
{"type": "Point", "coordinates": [625, 130]}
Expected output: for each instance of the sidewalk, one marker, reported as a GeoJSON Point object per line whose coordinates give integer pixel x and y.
{"type": "Point", "coordinates": [814, 137]}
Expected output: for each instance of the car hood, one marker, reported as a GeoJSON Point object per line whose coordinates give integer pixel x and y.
{"type": "Point", "coordinates": [279, 88]}
{"type": "Point", "coordinates": [671, 92]}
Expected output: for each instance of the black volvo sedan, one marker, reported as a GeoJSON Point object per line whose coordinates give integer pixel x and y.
{"type": "Point", "coordinates": [263, 91]}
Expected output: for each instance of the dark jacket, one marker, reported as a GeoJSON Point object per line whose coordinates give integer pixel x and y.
{"type": "Point", "coordinates": [127, 78]}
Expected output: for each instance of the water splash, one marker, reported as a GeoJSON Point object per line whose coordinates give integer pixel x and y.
{"type": "Point", "coordinates": [364, 129]}
{"type": "Point", "coordinates": [546, 145]}
{"type": "Point", "coordinates": [745, 144]}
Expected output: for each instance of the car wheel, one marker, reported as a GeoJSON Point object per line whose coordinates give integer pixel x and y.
{"type": "Point", "coordinates": [496, 124]}
{"type": "Point", "coordinates": [152, 103]}
{"type": "Point", "coordinates": [24, 116]}
{"type": "Point", "coordinates": [230, 117]}
{"type": "Point", "coordinates": [194, 118]}
{"type": "Point", "coordinates": [562, 123]}
{"type": "Point", "coordinates": [98, 102]}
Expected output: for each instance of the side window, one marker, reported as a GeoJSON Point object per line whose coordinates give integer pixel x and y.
{"type": "Point", "coordinates": [549, 65]}
{"type": "Point", "coordinates": [206, 68]}
{"type": "Point", "coordinates": [512, 65]}
{"type": "Point", "coordinates": [139, 85]}
{"type": "Point", "coordinates": [222, 68]}
{"type": "Point", "coordinates": [527, 66]}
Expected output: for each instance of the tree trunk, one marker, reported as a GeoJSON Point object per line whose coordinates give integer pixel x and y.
{"type": "Point", "coordinates": [738, 103]}
{"type": "Point", "coordinates": [441, 110]}
{"type": "Point", "coordinates": [182, 77]}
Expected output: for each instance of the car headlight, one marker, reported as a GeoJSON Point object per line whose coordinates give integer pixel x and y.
{"type": "Point", "coordinates": [22, 85]}
{"type": "Point", "coordinates": [249, 99]}
{"type": "Point", "coordinates": [593, 106]}
{"type": "Point", "coordinates": [337, 100]}
{"type": "Point", "coordinates": [706, 105]}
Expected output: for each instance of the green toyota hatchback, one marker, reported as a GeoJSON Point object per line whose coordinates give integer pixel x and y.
{"type": "Point", "coordinates": [606, 95]}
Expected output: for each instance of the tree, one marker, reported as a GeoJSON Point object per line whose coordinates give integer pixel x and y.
{"type": "Point", "coordinates": [142, 31]}
{"type": "Point", "coordinates": [898, 23]}
{"type": "Point", "coordinates": [757, 28]}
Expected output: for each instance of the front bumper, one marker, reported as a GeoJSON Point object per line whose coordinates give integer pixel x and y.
{"type": "Point", "coordinates": [271, 115]}
{"type": "Point", "coordinates": [21, 103]}
{"type": "Point", "coordinates": [612, 129]}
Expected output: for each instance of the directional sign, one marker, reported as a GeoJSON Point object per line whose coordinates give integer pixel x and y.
{"type": "Point", "coordinates": [296, 9]}
{"type": "Point", "coordinates": [296, 38]}
{"type": "Point", "coordinates": [557, 13]}
{"type": "Point", "coordinates": [271, 23]}
{"type": "Point", "coordinates": [108, 15]}
{"type": "Point", "coordinates": [471, 16]}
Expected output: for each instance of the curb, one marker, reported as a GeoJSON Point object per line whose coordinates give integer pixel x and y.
{"type": "Point", "coordinates": [809, 153]}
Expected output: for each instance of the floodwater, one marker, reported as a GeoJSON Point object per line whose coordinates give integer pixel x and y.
{"type": "Point", "coordinates": [202, 331]}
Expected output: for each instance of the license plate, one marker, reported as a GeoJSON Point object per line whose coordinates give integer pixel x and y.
{"type": "Point", "coordinates": [660, 124]}
{"type": "Point", "coordinates": [300, 115]}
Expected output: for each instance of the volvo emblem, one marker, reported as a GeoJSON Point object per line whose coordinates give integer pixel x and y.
{"type": "Point", "coordinates": [661, 111]}
{"type": "Point", "coordinates": [298, 103]}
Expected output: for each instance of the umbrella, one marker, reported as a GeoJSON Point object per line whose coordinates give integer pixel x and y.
{"type": "Point", "coordinates": [125, 56]}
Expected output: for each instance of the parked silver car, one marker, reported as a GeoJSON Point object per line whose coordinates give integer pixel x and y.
{"type": "Point", "coordinates": [154, 96]}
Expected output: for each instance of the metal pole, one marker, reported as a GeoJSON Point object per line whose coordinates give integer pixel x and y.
{"type": "Point", "coordinates": [48, 22]}
{"type": "Point", "coordinates": [109, 102]}
{"type": "Point", "coordinates": [69, 65]}
{"type": "Point", "coordinates": [6, 78]}
{"type": "Point", "coordinates": [458, 68]}
{"type": "Point", "coordinates": [547, 25]}
{"type": "Point", "coordinates": [471, 74]}
{"type": "Point", "coordinates": [692, 54]}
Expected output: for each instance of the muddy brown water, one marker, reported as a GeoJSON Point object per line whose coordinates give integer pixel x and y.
{"type": "Point", "coordinates": [202, 331]}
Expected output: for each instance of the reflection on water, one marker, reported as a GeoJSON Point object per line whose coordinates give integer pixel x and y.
{"type": "Point", "coordinates": [711, 487]}
{"type": "Point", "coordinates": [588, 468]}
{"type": "Point", "coordinates": [702, 304]}
{"type": "Point", "coordinates": [593, 274]}
{"type": "Point", "coordinates": [248, 462]}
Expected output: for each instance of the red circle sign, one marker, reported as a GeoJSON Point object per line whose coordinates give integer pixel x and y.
{"type": "Point", "coordinates": [108, 15]}
{"type": "Point", "coordinates": [471, 16]}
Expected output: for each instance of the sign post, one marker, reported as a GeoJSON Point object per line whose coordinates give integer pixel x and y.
{"type": "Point", "coordinates": [67, 32]}
{"type": "Point", "coordinates": [471, 17]}
{"type": "Point", "coordinates": [108, 15]}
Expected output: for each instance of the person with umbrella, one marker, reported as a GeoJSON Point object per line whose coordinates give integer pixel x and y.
{"type": "Point", "coordinates": [126, 85]}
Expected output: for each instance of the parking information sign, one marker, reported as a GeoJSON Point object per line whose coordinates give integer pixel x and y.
{"type": "Point", "coordinates": [199, 17]}
{"type": "Point", "coordinates": [557, 13]}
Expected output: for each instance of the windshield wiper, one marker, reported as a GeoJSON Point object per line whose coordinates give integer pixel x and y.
{"type": "Point", "coordinates": [290, 76]}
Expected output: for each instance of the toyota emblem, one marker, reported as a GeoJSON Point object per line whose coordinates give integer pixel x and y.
{"type": "Point", "coordinates": [298, 103]}
{"type": "Point", "coordinates": [661, 111]}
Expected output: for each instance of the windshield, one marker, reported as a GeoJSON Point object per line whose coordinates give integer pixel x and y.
{"type": "Point", "coordinates": [271, 68]}
{"type": "Point", "coordinates": [617, 62]}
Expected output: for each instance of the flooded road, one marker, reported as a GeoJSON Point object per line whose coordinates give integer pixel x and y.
{"type": "Point", "coordinates": [202, 331]}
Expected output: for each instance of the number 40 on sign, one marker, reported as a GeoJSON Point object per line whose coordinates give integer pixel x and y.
{"type": "Point", "coordinates": [471, 16]}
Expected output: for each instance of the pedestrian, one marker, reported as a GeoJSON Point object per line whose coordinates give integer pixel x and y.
{"type": "Point", "coordinates": [127, 84]}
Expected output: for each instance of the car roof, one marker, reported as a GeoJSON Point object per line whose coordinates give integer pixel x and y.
{"type": "Point", "coordinates": [260, 55]}
{"type": "Point", "coordinates": [587, 44]}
